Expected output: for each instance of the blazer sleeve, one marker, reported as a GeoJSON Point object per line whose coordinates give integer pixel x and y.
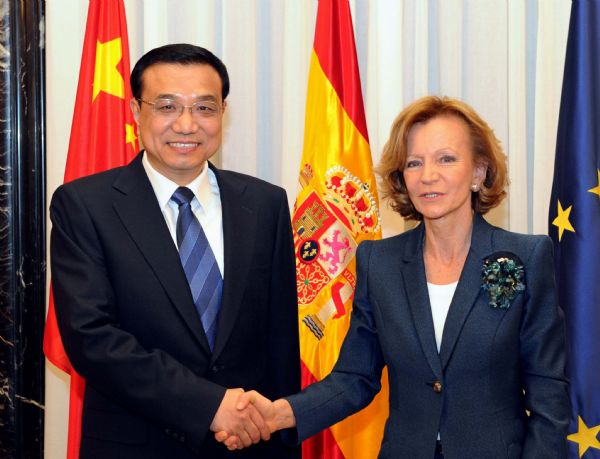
{"type": "Point", "coordinates": [283, 342]}
{"type": "Point", "coordinates": [356, 376]}
{"type": "Point", "coordinates": [149, 382]}
{"type": "Point", "coordinates": [543, 347]}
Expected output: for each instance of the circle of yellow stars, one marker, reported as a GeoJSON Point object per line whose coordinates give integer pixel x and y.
{"type": "Point", "coordinates": [562, 221]}
{"type": "Point", "coordinates": [586, 437]}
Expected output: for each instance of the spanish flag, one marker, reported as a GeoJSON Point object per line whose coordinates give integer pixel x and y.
{"type": "Point", "coordinates": [336, 208]}
{"type": "Point", "coordinates": [102, 137]}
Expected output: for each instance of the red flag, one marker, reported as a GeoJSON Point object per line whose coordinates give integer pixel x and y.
{"type": "Point", "coordinates": [336, 209]}
{"type": "Point", "coordinates": [102, 137]}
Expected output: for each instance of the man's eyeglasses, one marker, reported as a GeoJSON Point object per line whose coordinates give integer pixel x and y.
{"type": "Point", "coordinates": [172, 109]}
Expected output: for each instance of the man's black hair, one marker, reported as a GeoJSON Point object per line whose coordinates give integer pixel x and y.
{"type": "Point", "coordinates": [180, 53]}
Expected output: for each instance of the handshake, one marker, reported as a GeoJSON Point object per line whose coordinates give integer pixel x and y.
{"type": "Point", "coordinates": [244, 418]}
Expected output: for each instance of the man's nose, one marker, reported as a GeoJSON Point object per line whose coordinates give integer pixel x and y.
{"type": "Point", "coordinates": [185, 123]}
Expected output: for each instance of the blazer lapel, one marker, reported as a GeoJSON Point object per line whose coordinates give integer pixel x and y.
{"type": "Point", "coordinates": [415, 285]}
{"type": "Point", "coordinates": [143, 219]}
{"type": "Point", "coordinates": [468, 288]}
{"type": "Point", "coordinates": [239, 230]}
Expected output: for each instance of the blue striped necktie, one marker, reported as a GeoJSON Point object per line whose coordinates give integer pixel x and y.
{"type": "Point", "coordinates": [199, 264]}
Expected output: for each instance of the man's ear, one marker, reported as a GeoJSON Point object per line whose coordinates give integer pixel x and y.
{"type": "Point", "coordinates": [224, 105]}
{"type": "Point", "coordinates": [135, 109]}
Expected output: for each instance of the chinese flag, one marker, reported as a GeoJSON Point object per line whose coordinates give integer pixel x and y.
{"type": "Point", "coordinates": [336, 208]}
{"type": "Point", "coordinates": [102, 137]}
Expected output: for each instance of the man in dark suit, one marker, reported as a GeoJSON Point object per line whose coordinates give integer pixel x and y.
{"type": "Point", "coordinates": [174, 281]}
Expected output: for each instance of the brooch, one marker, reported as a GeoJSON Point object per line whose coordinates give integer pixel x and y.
{"type": "Point", "coordinates": [503, 278]}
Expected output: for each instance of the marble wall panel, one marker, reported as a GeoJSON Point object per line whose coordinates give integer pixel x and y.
{"type": "Point", "coordinates": [22, 228]}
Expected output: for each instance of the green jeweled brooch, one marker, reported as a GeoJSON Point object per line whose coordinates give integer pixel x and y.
{"type": "Point", "coordinates": [503, 278]}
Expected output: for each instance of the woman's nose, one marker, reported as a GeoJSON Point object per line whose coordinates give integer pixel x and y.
{"type": "Point", "coordinates": [430, 172]}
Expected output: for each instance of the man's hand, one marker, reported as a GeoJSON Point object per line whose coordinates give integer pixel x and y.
{"type": "Point", "coordinates": [245, 424]}
{"type": "Point", "coordinates": [276, 415]}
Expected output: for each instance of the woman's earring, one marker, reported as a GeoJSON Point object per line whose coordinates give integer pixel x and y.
{"type": "Point", "coordinates": [474, 188]}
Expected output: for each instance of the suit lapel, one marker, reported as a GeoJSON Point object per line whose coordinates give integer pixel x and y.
{"type": "Point", "coordinates": [239, 230]}
{"type": "Point", "coordinates": [415, 285]}
{"type": "Point", "coordinates": [468, 288]}
{"type": "Point", "coordinates": [143, 219]}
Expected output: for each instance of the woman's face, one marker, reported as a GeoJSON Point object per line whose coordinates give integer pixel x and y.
{"type": "Point", "coordinates": [440, 169]}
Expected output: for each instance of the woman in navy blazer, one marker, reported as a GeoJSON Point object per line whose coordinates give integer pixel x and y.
{"type": "Point", "coordinates": [464, 314]}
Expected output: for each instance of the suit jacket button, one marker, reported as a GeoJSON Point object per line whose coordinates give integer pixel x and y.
{"type": "Point", "coordinates": [215, 368]}
{"type": "Point", "coordinates": [437, 386]}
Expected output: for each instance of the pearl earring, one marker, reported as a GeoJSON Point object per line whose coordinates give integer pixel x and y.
{"type": "Point", "coordinates": [474, 188]}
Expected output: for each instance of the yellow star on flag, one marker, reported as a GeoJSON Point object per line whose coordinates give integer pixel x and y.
{"type": "Point", "coordinates": [586, 437]}
{"type": "Point", "coordinates": [562, 220]}
{"type": "Point", "coordinates": [130, 136]}
{"type": "Point", "coordinates": [106, 76]}
{"type": "Point", "coordinates": [596, 189]}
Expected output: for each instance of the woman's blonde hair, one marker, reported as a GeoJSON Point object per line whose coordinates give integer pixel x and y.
{"type": "Point", "coordinates": [487, 151]}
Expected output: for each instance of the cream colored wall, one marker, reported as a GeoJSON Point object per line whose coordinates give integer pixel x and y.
{"type": "Point", "coordinates": [64, 41]}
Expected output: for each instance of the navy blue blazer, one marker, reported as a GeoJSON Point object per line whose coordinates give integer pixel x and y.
{"type": "Point", "coordinates": [130, 327]}
{"type": "Point", "coordinates": [494, 365]}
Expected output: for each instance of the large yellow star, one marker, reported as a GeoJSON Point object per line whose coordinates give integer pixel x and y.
{"type": "Point", "coordinates": [562, 220]}
{"type": "Point", "coordinates": [130, 136]}
{"type": "Point", "coordinates": [596, 189]}
{"type": "Point", "coordinates": [586, 437]}
{"type": "Point", "coordinates": [106, 76]}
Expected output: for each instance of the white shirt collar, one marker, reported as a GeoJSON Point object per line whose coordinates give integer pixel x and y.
{"type": "Point", "coordinates": [204, 186]}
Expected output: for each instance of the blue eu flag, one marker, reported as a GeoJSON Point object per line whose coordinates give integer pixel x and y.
{"type": "Point", "coordinates": [574, 223]}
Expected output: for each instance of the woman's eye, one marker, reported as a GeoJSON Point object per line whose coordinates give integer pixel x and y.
{"type": "Point", "coordinates": [412, 163]}
{"type": "Point", "coordinates": [447, 159]}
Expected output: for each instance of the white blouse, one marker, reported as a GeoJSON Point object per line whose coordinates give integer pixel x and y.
{"type": "Point", "coordinates": [440, 297]}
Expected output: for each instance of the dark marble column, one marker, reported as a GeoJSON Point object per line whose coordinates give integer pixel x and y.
{"type": "Point", "coordinates": [22, 228]}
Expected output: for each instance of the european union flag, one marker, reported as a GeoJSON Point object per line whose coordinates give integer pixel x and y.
{"type": "Point", "coordinates": [574, 223]}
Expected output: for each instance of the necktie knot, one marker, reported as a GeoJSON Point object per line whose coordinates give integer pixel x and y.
{"type": "Point", "coordinates": [182, 195]}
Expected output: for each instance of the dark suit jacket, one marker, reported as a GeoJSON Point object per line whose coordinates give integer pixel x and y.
{"type": "Point", "coordinates": [130, 328]}
{"type": "Point", "coordinates": [493, 365]}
